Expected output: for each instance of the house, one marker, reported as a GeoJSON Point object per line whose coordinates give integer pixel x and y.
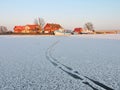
{"type": "Point", "coordinates": [77, 31]}
{"type": "Point", "coordinates": [32, 29]}
{"type": "Point", "coordinates": [27, 29]}
{"type": "Point", "coordinates": [19, 29]}
{"type": "Point", "coordinates": [50, 28]}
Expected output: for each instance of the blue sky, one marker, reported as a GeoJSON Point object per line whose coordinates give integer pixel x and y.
{"type": "Point", "coordinates": [104, 14]}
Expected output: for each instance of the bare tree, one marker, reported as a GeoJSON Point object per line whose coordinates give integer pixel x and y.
{"type": "Point", "coordinates": [35, 21]}
{"type": "Point", "coordinates": [89, 26]}
{"type": "Point", "coordinates": [40, 22]}
{"type": "Point", "coordinates": [3, 29]}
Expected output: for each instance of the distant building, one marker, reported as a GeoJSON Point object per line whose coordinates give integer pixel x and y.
{"type": "Point", "coordinates": [27, 29]}
{"type": "Point", "coordinates": [32, 29]}
{"type": "Point", "coordinates": [50, 27]}
{"type": "Point", "coordinates": [77, 30]}
{"type": "Point", "coordinates": [19, 29]}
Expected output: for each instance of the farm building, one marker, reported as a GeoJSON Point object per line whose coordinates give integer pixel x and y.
{"type": "Point", "coordinates": [27, 29]}
{"type": "Point", "coordinates": [50, 28]}
{"type": "Point", "coordinates": [77, 30]}
{"type": "Point", "coordinates": [19, 29]}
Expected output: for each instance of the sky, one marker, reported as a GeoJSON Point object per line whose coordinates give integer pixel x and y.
{"type": "Point", "coordinates": [103, 14]}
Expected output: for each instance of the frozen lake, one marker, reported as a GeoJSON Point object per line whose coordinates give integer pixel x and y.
{"type": "Point", "coordinates": [80, 62]}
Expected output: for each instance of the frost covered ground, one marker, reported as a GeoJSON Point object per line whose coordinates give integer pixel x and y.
{"type": "Point", "coordinates": [80, 62]}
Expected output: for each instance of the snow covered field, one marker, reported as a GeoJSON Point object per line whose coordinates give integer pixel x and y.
{"type": "Point", "coordinates": [80, 62]}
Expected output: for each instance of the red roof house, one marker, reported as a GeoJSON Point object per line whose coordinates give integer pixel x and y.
{"type": "Point", "coordinates": [78, 30]}
{"type": "Point", "coordinates": [32, 28]}
{"type": "Point", "coordinates": [19, 29]}
{"type": "Point", "coordinates": [50, 28]}
{"type": "Point", "coordinates": [27, 29]}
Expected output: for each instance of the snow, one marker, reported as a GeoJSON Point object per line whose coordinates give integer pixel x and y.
{"type": "Point", "coordinates": [60, 62]}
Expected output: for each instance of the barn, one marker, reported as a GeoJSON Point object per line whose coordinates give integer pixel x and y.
{"type": "Point", "coordinates": [77, 30]}
{"type": "Point", "coordinates": [50, 27]}
{"type": "Point", "coordinates": [27, 29]}
{"type": "Point", "coordinates": [19, 29]}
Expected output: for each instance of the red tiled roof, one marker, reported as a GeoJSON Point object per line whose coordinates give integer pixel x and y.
{"type": "Point", "coordinates": [78, 30]}
{"type": "Point", "coordinates": [49, 26]}
{"type": "Point", "coordinates": [32, 26]}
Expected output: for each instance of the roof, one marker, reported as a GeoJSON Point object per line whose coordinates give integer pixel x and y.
{"type": "Point", "coordinates": [51, 26]}
{"type": "Point", "coordinates": [32, 26]}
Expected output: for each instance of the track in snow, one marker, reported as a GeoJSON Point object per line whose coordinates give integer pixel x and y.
{"type": "Point", "coordinates": [95, 85]}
